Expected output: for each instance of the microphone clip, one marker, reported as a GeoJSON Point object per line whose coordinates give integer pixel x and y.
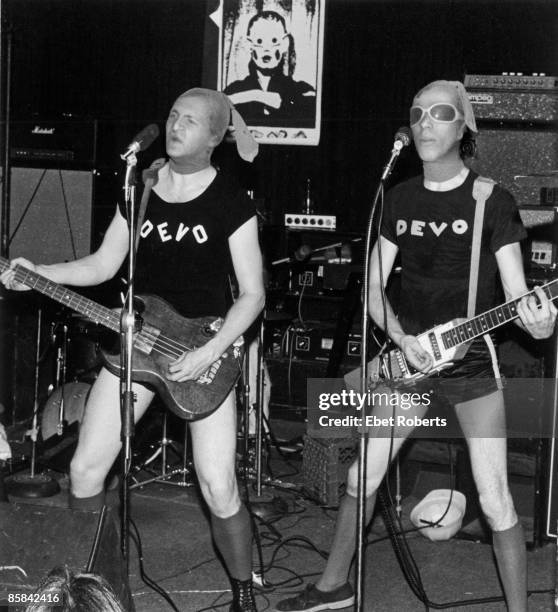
{"type": "Point", "coordinates": [140, 143]}
{"type": "Point", "coordinates": [130, 154]}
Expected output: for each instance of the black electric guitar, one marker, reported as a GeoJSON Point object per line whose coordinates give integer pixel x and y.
{"type": "Point", "coordinates": [449, 342]}
{"type": "Point", "coordinates": [163, 337]}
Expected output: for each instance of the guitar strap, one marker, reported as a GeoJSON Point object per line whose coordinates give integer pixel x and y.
{"type": "Point", "coordinates": [482, 190]}
{"type": "Point", "coordinates": [149, 177]}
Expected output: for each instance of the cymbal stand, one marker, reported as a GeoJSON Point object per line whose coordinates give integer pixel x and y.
{"type": "Point", "coordinates": [167, 473]}
{"type": "Point", "coordinates": [34, 431]}
{"type": "Point", "coordinates": [61, 367]}
{"type": "Point", "coordinates": [31, 484]}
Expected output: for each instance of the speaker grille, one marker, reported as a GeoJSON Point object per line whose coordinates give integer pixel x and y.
{"type": "Point", "coordinates": [508, 156]}
{"type": "Point", "coordinates": [50, 214]}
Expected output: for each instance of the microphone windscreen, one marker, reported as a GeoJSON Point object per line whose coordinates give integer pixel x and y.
{"type": "Point", "coordinates": [147, 136]}
{"type": "Point", "coordinates": [403, 134]}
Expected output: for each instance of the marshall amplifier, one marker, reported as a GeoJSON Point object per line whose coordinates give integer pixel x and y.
{"type": "Point", "coordinates": [54, 144]}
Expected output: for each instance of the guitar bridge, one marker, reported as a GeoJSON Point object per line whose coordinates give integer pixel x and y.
{"type": "Point", "coordinates": [394, 365]}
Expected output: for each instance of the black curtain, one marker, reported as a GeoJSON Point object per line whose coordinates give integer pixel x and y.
{"type": "Point", "coordinates": [125, 61]}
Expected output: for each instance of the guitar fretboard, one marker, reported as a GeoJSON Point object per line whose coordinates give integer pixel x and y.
{"type": "Point", "coordinates": [88, 308]}
{"type": "Point", "coordinates": [491, 319]}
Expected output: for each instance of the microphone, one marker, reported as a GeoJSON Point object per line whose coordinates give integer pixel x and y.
{"type": "Point", "coordinates": [402, 139]}
{"type": "Point", "coordinates": [142, 140]}
{"type": "Point", "coordinates": [304, 251]}
{"type": "Point", "coordinates": [328, 254]}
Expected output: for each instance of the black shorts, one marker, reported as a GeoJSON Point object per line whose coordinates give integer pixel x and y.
{"type": "Point", "coordinates": [470, 378]}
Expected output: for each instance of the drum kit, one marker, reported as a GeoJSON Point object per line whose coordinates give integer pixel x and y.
{"type": "Point", "coordinates": [72, 358]}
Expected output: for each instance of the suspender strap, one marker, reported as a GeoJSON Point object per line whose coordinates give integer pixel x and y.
{"type": "Point", "coordinates": [149, 179]}
{"type": "Point", "coordinates": [482, 189]}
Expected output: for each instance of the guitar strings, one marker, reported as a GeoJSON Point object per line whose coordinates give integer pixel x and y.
{"type": "Point", "coordinates": [174, 348]}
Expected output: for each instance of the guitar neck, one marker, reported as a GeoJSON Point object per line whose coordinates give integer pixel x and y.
{"type": "Point", "coordinates": [59, 293]}
{"type": "Point", "coordinates": [491, 319]}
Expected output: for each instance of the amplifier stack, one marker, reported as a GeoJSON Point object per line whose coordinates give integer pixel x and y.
{"type": "Point", "coordinates": [517, 142]}
{"type": "Point", "coordinates": [517, 145]}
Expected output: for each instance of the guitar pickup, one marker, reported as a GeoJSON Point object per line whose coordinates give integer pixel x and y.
{"type": "Point", "coordinates": [209, 375]}
{"type": "Point", "coordinates": [434, 345]}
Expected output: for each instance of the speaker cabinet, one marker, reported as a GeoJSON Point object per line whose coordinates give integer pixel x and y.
{"type": "Point", "coordinates": [506, 155]}
{"type": "Point", "coordinates": [50, 214]}
{"type": "Point", "coordinates": [288, 386]}
{"type": "Point", "coordinates": [36, 539]}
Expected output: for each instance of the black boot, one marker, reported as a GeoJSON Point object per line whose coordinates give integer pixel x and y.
{"type": "Point", "coordinates": [243, 596]}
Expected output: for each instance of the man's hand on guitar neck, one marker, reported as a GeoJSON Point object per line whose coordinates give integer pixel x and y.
{"type": "Point", "coordinates": [415, 353]}
{"type": "Point", "coordinates": [7, 278]}
{"type": "Point", "coordinates": [538, 316]}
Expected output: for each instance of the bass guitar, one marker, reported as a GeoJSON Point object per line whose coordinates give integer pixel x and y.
{"type": "Point", "coordinates": [164, 335]}
{"type": "Point", "coordinates": [448, 342]}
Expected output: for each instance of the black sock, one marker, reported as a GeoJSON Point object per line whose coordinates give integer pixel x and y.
{"type": "Point", "coordinates": [233, 538]}
{"type": "Point", "coordinates": [94, 503]}
{"type": "Point", "coordinates": [511, 559]}
{"type": "Point", "coordinates": [336, 572]}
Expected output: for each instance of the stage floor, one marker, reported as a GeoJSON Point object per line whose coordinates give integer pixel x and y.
{"type": "Point", "coordinates": [293, 535]}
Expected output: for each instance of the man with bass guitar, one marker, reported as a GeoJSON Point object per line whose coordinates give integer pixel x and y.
{"type": "Point", "coordinates": [197, 223]}
{"type": "Point", "coordinates": [428, 220]}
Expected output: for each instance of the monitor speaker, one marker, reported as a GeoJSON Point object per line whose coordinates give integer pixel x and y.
{"type": "Point", "coordinates": [35, 539]}
{"type": "Point", "coordinates": [50, 214]}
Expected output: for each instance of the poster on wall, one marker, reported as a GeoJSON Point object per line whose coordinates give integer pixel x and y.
{"type": "Point", "coordinates": [270, 56]}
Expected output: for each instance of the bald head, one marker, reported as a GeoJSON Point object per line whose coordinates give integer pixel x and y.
{"type": "Point", "coordinates": [456, 90]}
{"type": "Point", "coordinates": [220, 110]}
{"type": "Point", "coordinates": [217, 106]}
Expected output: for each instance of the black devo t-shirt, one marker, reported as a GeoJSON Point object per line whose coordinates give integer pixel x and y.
{"type": "Point", "coordinates": [433, 230]}
{"type": "Point", "coordinates": [183, 253]}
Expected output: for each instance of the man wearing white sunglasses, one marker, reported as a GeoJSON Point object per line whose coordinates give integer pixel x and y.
{"type": "Point", "coordinates": [428, 221]}
{"type": "Point", "coordinates": [269, 95]}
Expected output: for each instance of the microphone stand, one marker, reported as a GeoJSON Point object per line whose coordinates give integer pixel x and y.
{"type": "Point", "coordinates": [127, 329]}
{"type": "Point", "coordinates": [363, 430]}
{"type": "Point", "coordinates": [6, 43]}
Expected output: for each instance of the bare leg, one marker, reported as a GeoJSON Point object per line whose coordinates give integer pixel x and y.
{"type": "Point", "coordinates": [380, 442]}
{"type": "Point", "coordinates": [485, 417]}
{"type": "Point", "coordinates": [214, 451]}
{"type": "Point", "coordinates": [99, 434]}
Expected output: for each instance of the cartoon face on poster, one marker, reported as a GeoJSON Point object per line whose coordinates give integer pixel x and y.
{"type": "Point", "coordinates": [270, 65]}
